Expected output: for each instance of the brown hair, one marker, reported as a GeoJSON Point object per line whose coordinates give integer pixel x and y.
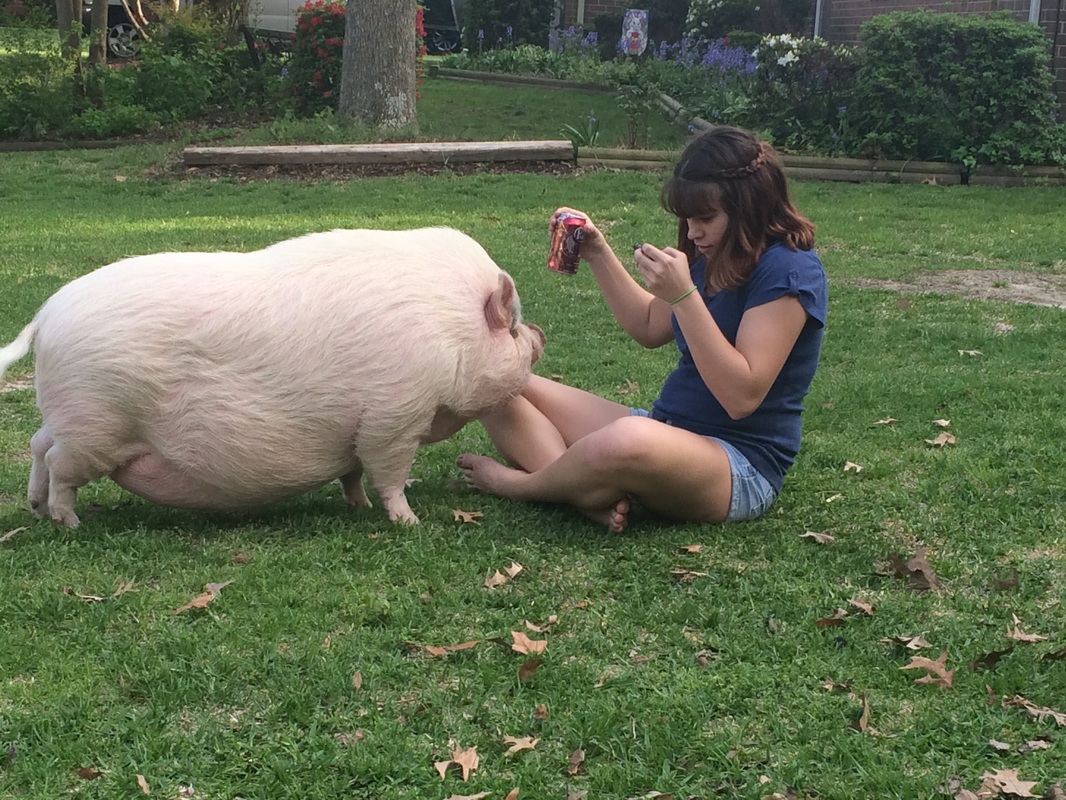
{"type": "Point", "coordinates": [729, 169]}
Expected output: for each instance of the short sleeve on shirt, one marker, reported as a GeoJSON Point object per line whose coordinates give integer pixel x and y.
{"type": "Point", "coordinates": [786, 273]}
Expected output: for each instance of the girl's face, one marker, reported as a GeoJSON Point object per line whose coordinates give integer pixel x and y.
{"type": "Point", "coordinates": [706, 232]}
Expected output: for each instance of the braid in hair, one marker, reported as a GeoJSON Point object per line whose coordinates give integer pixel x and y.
{"type": "Point", "coordinates": [743, 171]}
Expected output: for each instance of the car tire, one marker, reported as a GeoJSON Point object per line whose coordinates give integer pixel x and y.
{"type": "Point", "coordinates": [123, 40]}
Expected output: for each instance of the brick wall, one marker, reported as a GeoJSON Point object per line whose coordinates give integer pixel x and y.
{"type": "Point", "coordinates": [841, 20]}
{"type": "Point", "coordinates": [592, 8]}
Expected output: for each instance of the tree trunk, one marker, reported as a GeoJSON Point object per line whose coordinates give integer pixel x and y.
{"type": "Point", "coordinates": [68, 19]}
{"type": "Point", "coordinates": [98, 33]}
{"type": "Point", "coordinates": [378, 66]}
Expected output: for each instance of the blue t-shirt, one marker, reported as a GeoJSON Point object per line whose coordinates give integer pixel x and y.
{"type": "Point", "coordinates": [770, 437]}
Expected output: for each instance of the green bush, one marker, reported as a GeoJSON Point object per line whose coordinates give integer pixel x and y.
{"type": "Point", "coordinates": [969, 89]}
{"type": "Point", "coordinates": [801, 93]}
{"type": "Point", "coordinates": [713, 19]}
{"type": "Point", "coordinates": [492, 24]}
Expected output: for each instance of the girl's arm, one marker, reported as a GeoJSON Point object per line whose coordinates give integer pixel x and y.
{"type": "Point", "coordinates": [739, 377]}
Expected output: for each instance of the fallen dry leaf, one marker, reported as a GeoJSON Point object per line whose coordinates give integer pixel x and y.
{"type": "Point", "coordinates": [851, 466]}
{"type": "Point", "coordinates": [999, 747]}
{"type": "Point", "coordinates": [820, 538]}
{"type": "Point", "coordinates": [970, 353]}
{"type": "Point", "coordinates": [919, 574]}
{"type": "Point", "coordinates": [529, 668]}
{"type": "Point", "coordinates": [210, 592]}
{"type": "Point", "coordinates": [122, 586]}
{"type": "Point", "coordinates": [1007, 781]}
{"type": "Point", "coordinates": [357, 680]}
{"type": "Point", "coordinates": [1017, 634]}
{"type": "Point", "coordinates": [835, 620]}
{"type": "Point", "coordinates": [989, 660]}
{"type": "Point", "coordinates": [512, 795]}
{"type": "Point", "coordinates": [466, 759]}
{"type": "Point", "coordinates": [1032, 745]}
{"type": "Point", "coordinates": [467, 516]}
{"type": "Point", "coordinates": [523, 644]}
{"type": "Point", "coordinates": [631, 387]}
{"type": "Point", "coordinates": [938, 671]}
{"type": "Point", "coordinates": [1035, 711]}
{"type": "Point", "coordinates": [691, 549]}
{"type": "Point", "coordinates": [143, 784]}
{"type": "Point", "coordinates": [577, 762]}
{"type": "Point", "coordinates": [862, 605]}
{"type": "Point", "coordinates": [88, 773]}
{"type": "Point", "coordinates": [1055, 655]}
{"type": "Point", "coordinates": [886, 421]}
{"type": "Point", "coordinates": [541, 712]}
{"type": "Point", "coordinates": [86, 598]}
{"type": "Point", "coordinates": [11, 533]}
{"type": "Point", "coordinates": [943, 438]}
{"type": "Point", "coordinates": [541, 627]}
{"type": "Point", "coordinates": [498, 578]}
{"type": "Point", "coordinates": [863, 721]}
{"type": "Point", "coordinates": [942, 423]}
{"type": "Point", "coordinates": [682, 575]}
{"type": "Point", "coordinates": [518, 744]}
{"type": "Point", "coordinates": [910, 642]}
{"type": "Point", "coordinates": [435, 650]}
{"type": "Point", "coordinates": [478, 796]}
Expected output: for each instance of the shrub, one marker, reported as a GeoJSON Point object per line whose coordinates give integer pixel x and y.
{"type": "Point", "coordinates": [970, 89]}
{"type": "Point", "coordinates": [802, 91]}
{"type": "Point", "coordinates": [315, 65]}
{"type": "Point", "coordinates": [491, 24]}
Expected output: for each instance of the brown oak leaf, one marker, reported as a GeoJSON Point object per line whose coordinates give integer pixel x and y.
{"type": "Point", "coordinates": [467, 516]}
{"type": "Point", "coordinates": [820, 538]}
{"type": "Point", "coordinates": [210, 592]}
{"type": "Point", "coordinates": [523, 644]}
{"type": "Point", "coordinates": [577, 762]}
{"type": "Point", "coordinates": [938, 672]}
{"type": "Point", "coordinates": [1019, 635]}
{"type": "Point", "coordinates": [1006, 781]}
{"type": "Point", "coordinates": [518, 744]}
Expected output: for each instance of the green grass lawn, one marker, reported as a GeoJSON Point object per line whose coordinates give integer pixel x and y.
{"type": "Point", "coordinates": [708, 673]}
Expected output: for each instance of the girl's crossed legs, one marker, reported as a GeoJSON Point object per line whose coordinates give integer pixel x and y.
{"type": "Point", "coordinates": [567, 445]}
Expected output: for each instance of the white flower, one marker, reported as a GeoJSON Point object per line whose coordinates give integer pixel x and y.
{"type": "Point", "coordinates": [787, 59]}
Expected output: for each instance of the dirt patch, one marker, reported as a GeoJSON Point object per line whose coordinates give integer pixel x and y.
{"type": "Point", "coordinates": [1012, 287]}
{"type": "Point", "coordinates": [341, 172]}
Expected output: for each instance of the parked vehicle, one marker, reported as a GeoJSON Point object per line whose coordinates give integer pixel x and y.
{"type": "Point", "coordinates": [123, 40]}
{"type": "Point", "coordinates": [442, 20]}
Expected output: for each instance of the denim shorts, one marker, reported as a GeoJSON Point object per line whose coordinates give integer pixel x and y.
{"type": "Point", "coordinates": [752, 493]}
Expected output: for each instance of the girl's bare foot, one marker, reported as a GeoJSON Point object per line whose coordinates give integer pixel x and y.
{"type": "Point", "coordinates": [486, 474]}
{"type": "Point", "coordinates": [490, 476]}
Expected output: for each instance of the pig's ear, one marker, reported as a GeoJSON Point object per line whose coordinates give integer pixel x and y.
{"type": "Point", "coordinates": [499, 310]}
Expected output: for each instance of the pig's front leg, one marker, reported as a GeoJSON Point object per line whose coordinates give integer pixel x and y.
{"type": "Point", "coordinates": [352, 483]}
{"type": "Point", "coordinates": [389, 463]}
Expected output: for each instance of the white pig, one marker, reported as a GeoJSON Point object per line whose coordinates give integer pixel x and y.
{"type": "Point", "coordinates": [229, 380]}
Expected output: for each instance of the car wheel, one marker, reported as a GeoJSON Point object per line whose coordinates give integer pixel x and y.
{"type": "Point", "coordinates": [123, 41]}
{"type": "Point", "coordinates": [443, 41]}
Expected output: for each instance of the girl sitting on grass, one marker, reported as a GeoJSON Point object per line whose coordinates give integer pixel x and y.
{"type": "Point", "coordinates": [744, 296]}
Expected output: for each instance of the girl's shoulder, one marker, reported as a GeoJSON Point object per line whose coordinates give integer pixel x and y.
{"type": "Point", "coordinates": [800, 273]}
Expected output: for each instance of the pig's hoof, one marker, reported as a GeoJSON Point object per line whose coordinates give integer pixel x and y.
{"type": "Point", "coordinates": [65, 517]}
{"type": "Point", "coordinates": [403, 517]}
{"type": "Point", "coordinates": [38, 509]}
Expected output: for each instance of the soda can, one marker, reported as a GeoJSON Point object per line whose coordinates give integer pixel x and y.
{"type": "Point", "coordinates": [565, 250]}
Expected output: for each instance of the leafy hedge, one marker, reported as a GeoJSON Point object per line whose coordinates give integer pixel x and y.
{"type": "Point", "coordinates": [968, 89]}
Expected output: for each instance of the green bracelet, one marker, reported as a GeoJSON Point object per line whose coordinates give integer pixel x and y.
{"type": "Point", "coordinates": [683, 295]}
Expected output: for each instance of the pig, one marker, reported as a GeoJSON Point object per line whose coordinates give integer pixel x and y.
{"type": "Point", "coordinates": [226, 381]}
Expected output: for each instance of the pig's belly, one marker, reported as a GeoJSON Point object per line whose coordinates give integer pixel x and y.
{"type": "Point", "coordinates": [159, 482]}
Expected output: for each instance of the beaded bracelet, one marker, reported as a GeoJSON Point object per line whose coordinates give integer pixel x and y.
{"type": "Point", "coordinates": [683, 295]}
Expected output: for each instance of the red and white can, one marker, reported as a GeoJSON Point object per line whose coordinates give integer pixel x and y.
{"type": "Point", "coordinates": [565, 249]}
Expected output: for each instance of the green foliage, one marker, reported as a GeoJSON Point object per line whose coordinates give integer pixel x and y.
{"type": "Point", "coordinates": [586, 134]}
{"type": "Point", "coordinates": [314, 69]}
{"type": "Point", "coordinates": [801, 93]}
{"type": "Point", "coordinates": [492, 24]}
{"type": "Point", "coordinates": [969, 89]}
{"type": "Point", "coordinates": [713, 19]}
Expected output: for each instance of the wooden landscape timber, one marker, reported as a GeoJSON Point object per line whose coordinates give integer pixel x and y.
{"type": "Point", "coordinates": [382, 153]}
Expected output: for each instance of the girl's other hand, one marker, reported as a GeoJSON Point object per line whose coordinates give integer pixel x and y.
{"type": "Point", "coordinates": [665, 272]}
